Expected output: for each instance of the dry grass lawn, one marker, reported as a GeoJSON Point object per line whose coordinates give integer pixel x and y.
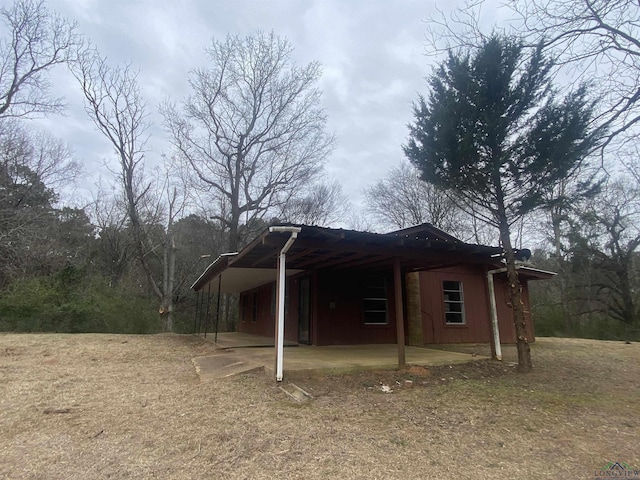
{"type": "Point", "coordinates": [119, 407]}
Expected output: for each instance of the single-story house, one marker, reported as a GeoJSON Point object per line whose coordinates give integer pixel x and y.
{"type": "Point", "coordinates": [322, 286]}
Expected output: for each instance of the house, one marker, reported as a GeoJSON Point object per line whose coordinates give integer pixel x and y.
{"type": "Point", "coordinates": [322, 286]}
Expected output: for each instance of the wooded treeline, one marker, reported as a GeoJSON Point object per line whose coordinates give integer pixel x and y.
{"type": "Point", "coordinates": [586, 221]}
{"type": "Point", "coordinates": [249, 144]}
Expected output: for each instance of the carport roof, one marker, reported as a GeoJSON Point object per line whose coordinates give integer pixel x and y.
{"type": "Point", "coordinates": [416, 248]}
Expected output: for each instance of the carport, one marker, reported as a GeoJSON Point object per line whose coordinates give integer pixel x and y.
{"type": "Point", "coordinates": [288, 250]}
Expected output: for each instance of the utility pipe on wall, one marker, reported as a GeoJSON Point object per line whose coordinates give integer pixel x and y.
{"type": "Point", "coordinates": [282, 269]}
{"type": "Point", "coordinates": [494, 311]}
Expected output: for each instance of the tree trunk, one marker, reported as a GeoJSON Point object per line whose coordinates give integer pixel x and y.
{"type": "Point", "coordinates": [515, 296]}
{"type": "Point", "coordinates": [234, 238]}
{"type": "Point", "coordinates": [172, 277]}
{"type": "Point", "coordinates": [556, 219]}
{"type": "Point", "coordinates": [168, 273]}
{"type": "Point", "coordinates": [628, 309]}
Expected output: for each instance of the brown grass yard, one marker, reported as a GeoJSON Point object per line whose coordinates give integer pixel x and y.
{"type": "Point", "coordinates": [115, 406]}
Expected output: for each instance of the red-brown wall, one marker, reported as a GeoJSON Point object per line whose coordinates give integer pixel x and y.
{"type": "Point", "coordinates": [505, 312]}
{"type": "Point", "coordinates": [340, 317]}
{"type": "Point", "coordinates": [337, 309]}
{"type": "Point", "coordinates": [477, 328]}
{"type": "Point", "coordinates": [265, 322]}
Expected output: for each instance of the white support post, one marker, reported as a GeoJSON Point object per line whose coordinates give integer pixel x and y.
{"type": "Point", "coordinates": [494, 312]}
{"type": "Point", "coordinates": [280, 333]}
{"type": "Point", "coordinates": [282, 285]}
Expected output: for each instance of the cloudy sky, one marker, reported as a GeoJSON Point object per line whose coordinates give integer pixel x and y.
{"type": "Point", "coordinates": [372, 53]}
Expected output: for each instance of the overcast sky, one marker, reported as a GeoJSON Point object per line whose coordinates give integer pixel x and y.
{"type": "Point", "coordinates": [372, 53]}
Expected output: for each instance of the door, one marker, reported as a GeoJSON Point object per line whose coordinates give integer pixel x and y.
{"type": "Point", "coordinates": [304, 314]}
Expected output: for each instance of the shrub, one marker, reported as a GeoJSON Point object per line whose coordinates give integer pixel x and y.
{"type": "Point", "coordinates": [71, 302]}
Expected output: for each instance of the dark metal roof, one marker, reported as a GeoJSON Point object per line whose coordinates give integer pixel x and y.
{"type": "Point", "coordinates": [532, 273]}
{"type": "Point", "coordinates": [417, 248]}
{"type": "Point", "coordinates": [425, 230]}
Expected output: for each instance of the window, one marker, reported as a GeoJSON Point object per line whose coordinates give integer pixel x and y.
{"type": "Point", "coordinates": [375, 301]}
{"type": "Point", "coordinates": [453, 302]}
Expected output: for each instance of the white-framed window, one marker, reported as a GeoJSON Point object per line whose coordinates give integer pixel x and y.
{"type": "Point", "coordinates": [453, 302]}
{"type": "Point", "coordinates": [374, 302]}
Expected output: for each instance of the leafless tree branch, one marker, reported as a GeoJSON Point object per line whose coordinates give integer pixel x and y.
{"type": "Point", "coordinates": [36, 41]}
{"type": "Point", "coordinates": [252, 131]}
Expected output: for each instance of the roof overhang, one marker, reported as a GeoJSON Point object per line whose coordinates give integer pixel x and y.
{"type": "Point", "coordinates": [236, 280]}
{"type": "Point", "coordinates": [531, 273]}
{"type": "Point", "coordinates": [420, 248]}
{"type": "Point", "coordinates": [218, 266]}
{"type": "Point", "coordinates": [526, 272]}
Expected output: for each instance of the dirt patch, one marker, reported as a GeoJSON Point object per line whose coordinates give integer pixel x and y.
{"type": "Point", "coordinates": [109, 406]}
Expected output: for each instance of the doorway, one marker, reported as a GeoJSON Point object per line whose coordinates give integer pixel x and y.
{"type": "Point", "coordinates": [304, 313]}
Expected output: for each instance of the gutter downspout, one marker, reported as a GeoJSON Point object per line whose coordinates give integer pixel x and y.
{"type": "Point", "coordinates": [494, 312]}
{"type": "Point", "coordinates": [282, 269]}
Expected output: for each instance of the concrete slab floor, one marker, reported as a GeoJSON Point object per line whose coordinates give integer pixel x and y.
{"type": "Point", "coordinates": [240, 340]}
{"type": "Point", "coordinates": [330, 359]}
{"type": "Point", "coordinates": [355, 357]}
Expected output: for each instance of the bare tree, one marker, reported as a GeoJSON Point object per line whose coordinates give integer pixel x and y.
{"type": "Point", "coordinates": [115, 104]}
{"type": "Point", "coordinates": [402, 199]}
{"type": "Point", "coordinates": [607, 232]}
{"type": "Point", "coordinates": [174, 203]}
{"type": "Point", "coordinates": [459, 28]}
{"type": "Point", "coordinates": [48, 157]}
{"type": "Point", "coordinates": [324, 204]}
{"type": "Point", "coordinates": [562, 202]}
{"type": "Point", "coordinates": [252, 132]}
{"type": "Point", "coordinates": [358, 220]}
{"type": "Point", "coordinates": [595, 39]}
{"type": "Point", "coordinates": [115, 245]}
{"type": "Point", "coordinates": [38, 40]}
{"type": "Point", "coordinates": [32, 167]}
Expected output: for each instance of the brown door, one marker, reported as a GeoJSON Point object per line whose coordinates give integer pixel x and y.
{"type": "Point", "coordinates": [304, 315]}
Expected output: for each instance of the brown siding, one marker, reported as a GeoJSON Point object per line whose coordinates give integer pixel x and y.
{"type": "Point", "coordinates": [413, 307]}
{"type": "Point", "coordinates": [477, 328]}
{"type": "Point", "coordinates": [340, 318]}
{"type": "Point", "coordinates": [266, 311]}
{"type": "Point", "coordinates": [505, 313]}
{"type": "Point", "coordinates": [264, 323]}
{"type": "Point", "coordinates": [291, 314]}
{"type": "Point", "coordinates": [337, 309]}
{"type": "Point", "coordinates": [476, 310]}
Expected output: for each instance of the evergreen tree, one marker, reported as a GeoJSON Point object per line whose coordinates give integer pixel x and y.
{"type": "Point", "coordinates": [494, 133]}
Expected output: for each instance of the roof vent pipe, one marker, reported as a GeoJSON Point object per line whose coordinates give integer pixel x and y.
{"type": "Point", "coordinates": [282, 268]}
